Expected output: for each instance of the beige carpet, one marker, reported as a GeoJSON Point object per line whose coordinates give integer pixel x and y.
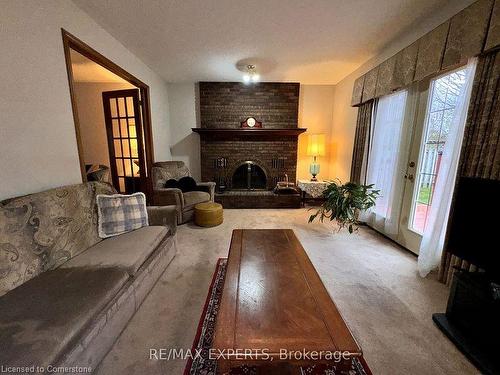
{"type": "Point", "coordinates": [373, 282]}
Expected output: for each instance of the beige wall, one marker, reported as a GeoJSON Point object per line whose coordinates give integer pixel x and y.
{"type": "Point", "coordinates": [316, 114]}
{"type": "Point", "coordinates": [36, 122]}
{"type": "Point", "coordinates": [91, 115]}
{"type": "Point", "coordinates": [185, 145]}
{"type": "Point", "coordinates": [344, 116]}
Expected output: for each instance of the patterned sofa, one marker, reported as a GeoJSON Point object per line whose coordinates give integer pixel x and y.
{"type": "Point", "coordinates": [65, 294]}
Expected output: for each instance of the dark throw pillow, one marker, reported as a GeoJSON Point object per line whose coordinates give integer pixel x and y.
{"type": "Point", "coordinates": [171, 184]}
{"type": "Point", "coordinates": [187, 184]}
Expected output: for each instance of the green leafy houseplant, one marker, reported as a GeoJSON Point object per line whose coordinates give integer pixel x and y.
{"type": "Point", "coordinates": [344, 202]}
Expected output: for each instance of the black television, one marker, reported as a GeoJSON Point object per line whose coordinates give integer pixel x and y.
{"type": "Point", "coordinates": [474, 232]}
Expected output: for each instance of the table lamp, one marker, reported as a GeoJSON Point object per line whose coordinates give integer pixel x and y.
{"type": "Point", "coordinates": [315, 148]}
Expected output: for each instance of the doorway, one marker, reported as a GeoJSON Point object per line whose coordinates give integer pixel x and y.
{"type": "Point", "coordinates": [437, 103]}
{"type": "Point", "coordinates": [408, 135]}
{"type": "Point", "coordinates": [111, 108]}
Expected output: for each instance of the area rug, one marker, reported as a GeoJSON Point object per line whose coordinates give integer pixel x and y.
{"type": "Point", "coordinates": [202, 365]}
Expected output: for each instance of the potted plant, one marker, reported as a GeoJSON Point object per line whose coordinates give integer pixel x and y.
{"type": "Point", "coordinates": [344, 202]}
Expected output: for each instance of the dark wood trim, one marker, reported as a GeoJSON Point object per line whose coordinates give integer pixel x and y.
{"type": "Point", "coordinates": [148, 135]}
{"type": "Point", "coordinates": [248, 131]}
{"type": "Point", "coordinates": [78, 45]}
{"type": "Point", "coordinates": [111, 150]}
{"type": "Point", "coordinates": [74, 107]}
{"type": "Point", "coordinates": [214, 133]}
{"type": "Point", "coordinates": [72, 42]}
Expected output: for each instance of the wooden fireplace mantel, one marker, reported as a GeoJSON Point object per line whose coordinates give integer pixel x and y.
{"type": "Point", "coordinates": [244, 132]}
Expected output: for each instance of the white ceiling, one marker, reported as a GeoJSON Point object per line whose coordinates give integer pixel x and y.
{"type": "Point", "coordinates": [85, 70]}
{"type": "Point", "coordinates": [307, 41]}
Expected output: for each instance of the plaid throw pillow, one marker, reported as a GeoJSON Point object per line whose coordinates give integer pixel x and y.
{"type": "Point", "coordinates": [121, 213]}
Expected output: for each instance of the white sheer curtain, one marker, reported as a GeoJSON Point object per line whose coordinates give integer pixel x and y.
{"type": "Point", "coordinates": [433, 237]}
{"type": "Point", "coordinates": [386, 162]}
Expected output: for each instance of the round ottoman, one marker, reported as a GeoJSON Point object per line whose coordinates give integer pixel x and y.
{"type": "Point", "coordinates": [208, 214]}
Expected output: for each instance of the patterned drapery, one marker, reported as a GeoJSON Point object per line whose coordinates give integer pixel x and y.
{"type": "Point", "coordinates": [470, 32]}
{"type": "Point", "coordinates": [361, 140]}
{"type": "Point", "coordinates": [480, 156]}
{"type": "Point", "coordinates": [467, 34]}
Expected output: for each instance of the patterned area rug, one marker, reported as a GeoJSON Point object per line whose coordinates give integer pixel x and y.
{"type": "Point", "coordinates": [202, 365]}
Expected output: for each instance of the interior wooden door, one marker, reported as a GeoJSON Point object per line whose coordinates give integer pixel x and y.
{"type": "Point", "coordinates": [125, 140]}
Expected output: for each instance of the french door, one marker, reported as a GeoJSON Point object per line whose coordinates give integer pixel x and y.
{"type": "Point", "coordinates": [407, 237]}
{"type": "Point", "coordinates": [436, 106]}
{"type": "Point", "coordinates": [125, 133]}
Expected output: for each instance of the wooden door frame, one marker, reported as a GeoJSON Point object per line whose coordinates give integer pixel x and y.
{"type": "Point", "coordinates": [72, 42]}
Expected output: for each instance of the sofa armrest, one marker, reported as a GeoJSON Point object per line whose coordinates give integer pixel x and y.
{"type": "Point", "coordinates": [209, 187]}
{"type": "Point", "coordinates": [167, 197]}
{"type": "Point", "coordinates": [163, 216]}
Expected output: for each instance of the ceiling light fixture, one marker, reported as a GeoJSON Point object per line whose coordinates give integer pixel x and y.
{"type": "Point", "coordinates": [251, 74]}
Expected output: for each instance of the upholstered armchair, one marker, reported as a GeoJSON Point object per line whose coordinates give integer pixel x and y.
{"type": "Point", "coordinates": [184, 202]}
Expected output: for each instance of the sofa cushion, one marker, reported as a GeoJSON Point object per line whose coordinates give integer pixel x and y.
{"type": "Point", "coordinates": [42, 318]}
{"type": "Point", "coordinates": [191, 198]}
{"type": "Point", "coordinates": [127, 251]}
{"type": "Point", "coordinates": [40, 231]}
{"type": "Point", "coordinates": [120, 213]}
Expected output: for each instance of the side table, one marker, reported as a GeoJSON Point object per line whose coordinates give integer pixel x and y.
{"type": "Point", "coordinates": [313, 189]}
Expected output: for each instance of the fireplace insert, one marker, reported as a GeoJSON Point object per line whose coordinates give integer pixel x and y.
{"type": "Point", "coordinates": [249, 176]}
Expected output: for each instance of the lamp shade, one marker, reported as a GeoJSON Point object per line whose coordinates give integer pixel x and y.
{"type": "Point", "coordinates": [316, 145]}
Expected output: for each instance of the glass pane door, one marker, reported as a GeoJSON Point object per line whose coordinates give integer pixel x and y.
{"type": "Point", "coordinates": [125, 139]}
{"type": "Point", "coordinates": [435, 108]}
{"type": "Point", "coordinates": [441, 107]}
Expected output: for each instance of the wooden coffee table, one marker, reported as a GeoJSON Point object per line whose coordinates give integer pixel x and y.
{"type": "Point", "coordinates": [275, 311]}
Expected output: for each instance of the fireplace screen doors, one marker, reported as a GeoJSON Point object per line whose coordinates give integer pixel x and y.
{"type": "Point", "coordinates": [249, 176]}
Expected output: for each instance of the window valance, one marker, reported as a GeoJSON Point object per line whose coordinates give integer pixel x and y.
{"type": "Point", "coordinates": [469, 33]}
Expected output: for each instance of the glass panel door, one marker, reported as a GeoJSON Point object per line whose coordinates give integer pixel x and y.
{"type": "Point", "coordinates": [125, 139]}
{"type": "Point", "coordinates": [386, 160]}
{"type": "Point", "coordinates": [442, 104]}
{"type": "Point", "coordinates": [436, 108]}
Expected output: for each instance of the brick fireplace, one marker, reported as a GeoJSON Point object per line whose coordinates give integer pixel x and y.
{"type": "Point", "coordinates": [249, 161]}
{"type": "Point", "coordinates": [274, 157]}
